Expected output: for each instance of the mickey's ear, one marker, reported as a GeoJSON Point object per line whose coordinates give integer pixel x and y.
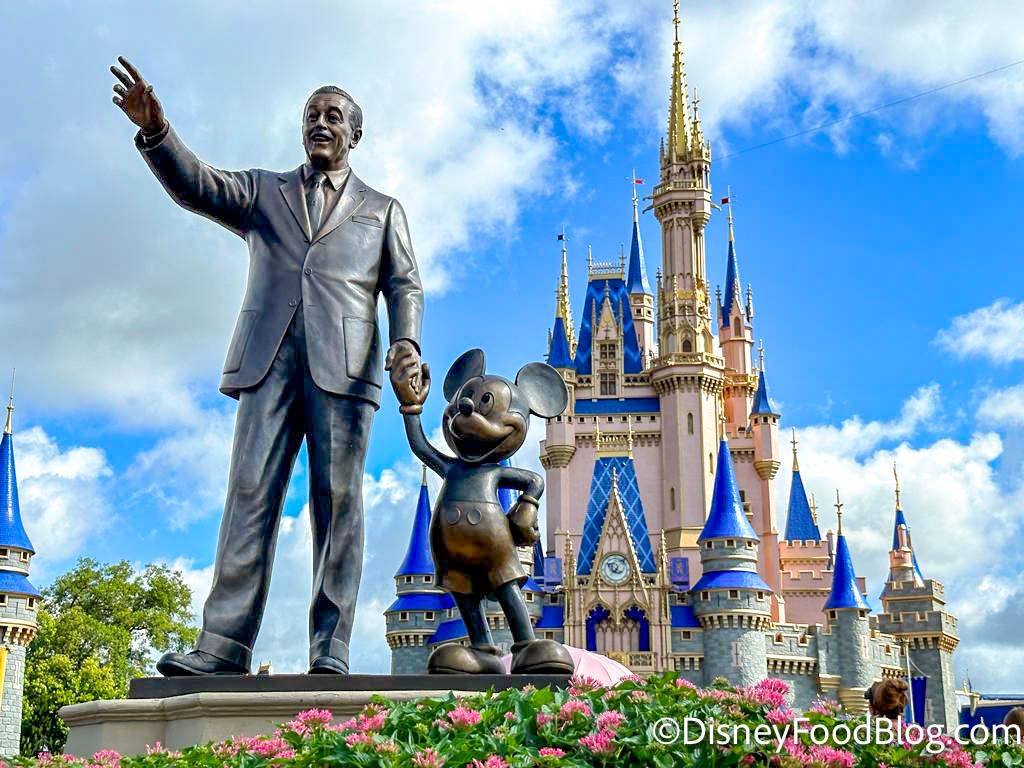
{"type": "Point", "coordinates": [470, 364]}
{"type": "Point", "coordinates": [544, 389]}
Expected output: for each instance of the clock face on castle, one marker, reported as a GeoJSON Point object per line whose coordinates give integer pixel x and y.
{"type": "Point", "coordinates": [615, 569]}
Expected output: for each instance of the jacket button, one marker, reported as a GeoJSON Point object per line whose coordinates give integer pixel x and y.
{"type": "Point", "coordinates": [292, 303]}
{"type": "Point", "coordinates": [307, 271]}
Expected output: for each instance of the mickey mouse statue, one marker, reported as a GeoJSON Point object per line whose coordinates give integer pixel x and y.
{"type": "Point", "coordinates": [472, 541]}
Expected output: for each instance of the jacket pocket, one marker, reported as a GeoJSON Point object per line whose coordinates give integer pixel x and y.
{"type": "Point", "coordinates": [240, 340]}
{"type": "Point", "coordinates": [372, 221]}
{"type": "Point", "coordinates": [361, 350]}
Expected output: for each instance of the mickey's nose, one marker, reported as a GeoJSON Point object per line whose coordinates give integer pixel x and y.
{"type": "Point", "coordinates": [465, 406]}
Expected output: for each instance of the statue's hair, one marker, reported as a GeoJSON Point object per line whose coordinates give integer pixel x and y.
{"type": "Point", "coordinates": [357, 112]}
{"type": "Point", "coordinates": [1015, 717]}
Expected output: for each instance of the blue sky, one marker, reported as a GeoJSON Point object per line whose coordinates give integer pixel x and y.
{"type": "Point", "coordinates": [884, 253]}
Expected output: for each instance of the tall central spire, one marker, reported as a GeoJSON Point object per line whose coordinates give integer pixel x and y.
{"type": "Point", "coordinates": [563, 308]}
{"type": "Point", "coordinates": [678, 114]}
{"type": "Point", "coordinates": [10, 408]}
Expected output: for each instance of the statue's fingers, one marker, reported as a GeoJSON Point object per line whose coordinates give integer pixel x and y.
{"type": "Point", "coordinates": [120, 90]}
{"type": "Point", "coordinates": [425, 374]}
{"type": "Point", "coordinates": [118, 101]}
{"type": "Point", "coordinates": [131, 70]}
{"type": "Point", "coordinates": [121, 76]}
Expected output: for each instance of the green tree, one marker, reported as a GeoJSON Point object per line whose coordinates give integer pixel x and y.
{"type": "Point", "coordinates": [99, 626]}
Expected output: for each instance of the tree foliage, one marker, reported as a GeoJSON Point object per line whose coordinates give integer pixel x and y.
{"type": "Point", "coordinates": [99, 626]}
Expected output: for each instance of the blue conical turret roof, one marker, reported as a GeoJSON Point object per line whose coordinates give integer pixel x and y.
{"type": "Point", "coordinates": [763, 404]}
{"type": "Point", "coordinates": [800, 525]}
{"type": "Point", "coordinates": [636, 277]}
{"type": "Point", "coordinates": [418, 560]}
{"type": "Point", "coordinates": [726, 519]}
{"type": "Point", "coordinates": [559, 355]}
{"type": "Point", "coordinates": [902, 520]}
{"type": "Point", "coordinates": [12, 531]}
{"type": "Point", "coordinates": [845, 592]}
{"type": "Point", "coordinates": [732, 283]}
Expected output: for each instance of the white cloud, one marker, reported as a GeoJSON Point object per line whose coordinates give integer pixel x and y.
{"type": "Point", "coordinates": [63, 497]}
{"type": "Point", "coordinates": [995, 332]}
{"type": "Point", "coordinates": [963, 516]}
{"type": "Point", "coordinates": [1003, 407]}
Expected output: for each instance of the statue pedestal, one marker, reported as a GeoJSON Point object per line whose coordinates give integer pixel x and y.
{"type": "Point", "coordinates": [184, 711]}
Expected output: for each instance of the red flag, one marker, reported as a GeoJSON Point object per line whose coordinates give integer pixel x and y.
{"type": "Point", "coordinates": [638, 181]}
{"type": "Point", "coordinates": [725, 200]}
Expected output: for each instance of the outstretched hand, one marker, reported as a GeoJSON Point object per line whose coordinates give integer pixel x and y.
{"type": "Point", "coordinates": [136, 99]}
{"type": "Point", "coordinates": [410, 377]}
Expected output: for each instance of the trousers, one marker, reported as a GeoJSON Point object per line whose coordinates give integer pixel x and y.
{"type": "Point", "coordinates": [273, 419]}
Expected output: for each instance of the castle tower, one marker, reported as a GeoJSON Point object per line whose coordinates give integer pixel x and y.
{"type": "Point", "coordinates": [641, 300]}
{"type": "Point", "coordinates": [804, 557]}
{"type": "Point", "coordinates": [414, 617]}
{"type": "Point", "coordinates": [847, 612]}
{"type": "Point", "coordinates": [687, 374]}
{"type": "Point", "coordinates": [914, 610]}
{"type": "Point", "coordinates": [731, 601]}
{"type": "Point", "coordinates": [19, 600]}
{"type": "Point", "coordinates": [764, 424]}
{"type": "Point", "coordinates": [736, 336]}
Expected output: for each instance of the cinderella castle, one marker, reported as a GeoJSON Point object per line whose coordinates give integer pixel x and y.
{"type": "Point", "coordinates": [663, 548]}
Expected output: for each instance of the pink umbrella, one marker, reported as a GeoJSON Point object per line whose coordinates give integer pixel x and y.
{"type": "Point", "coordinates": [589, 664]}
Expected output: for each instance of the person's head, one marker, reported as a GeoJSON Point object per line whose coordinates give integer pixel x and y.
{"type": "Point", "coordinates": [1015, 717]}
{"type": "Point", "coordinates": [887, 698]}
{"type": "Point", "coordinates": [332, 124]}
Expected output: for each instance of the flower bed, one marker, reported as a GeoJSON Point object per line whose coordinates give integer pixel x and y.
{"type": "Point", "coordinates": [585, 725]}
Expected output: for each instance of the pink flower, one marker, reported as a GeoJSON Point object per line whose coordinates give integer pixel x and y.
{"type": "Point", "coordinates": [639, 695]}
{"type": "Point", "coordinates": [583, 684]}
{"type": "Point", "coordinates": [830, 756]}
{"type": "Point", "coordinates": [824, 707]}
{"type": "Point", "coordinates": [572, 707]}
{"type": "Point", "coordinates": [747, 760]}
{"type": "Point", "coordinates": [780, 715]}
{"type": "Point", "coordinates": [373, 723]}
{"type": "Point", "coordinates": [45, 758]}
{"type": "Point", "coordinates": [610, 720]}
{"type": "Point", "coordinates": [298, 727]}
{"type": "Point", "coordinates": [551, 752]}
{"type": "Point", "coordinates": [313, 717]}
{"type": "Point", "coordinates": [348, 725]}
{"type": "Point", "coordinates": [386, 747]}
{"type": "Point", "coordinates": [358, 737]}
{"type": "Point", "coordinates": [428, 758]}
{"type": "Point", "coordinates": [600, 743]}
{"type": "Point", "coordinates": [511, 716]}
{"type": "Point", "coordinates": [464, 717]}
{"type": "Point", "coordinates": [543, 719]}
{"type": "Point", "coordinates": [491, 762]}
{"type": "Point", "coordinates": [770, 692]}
{"type": "Point", "coordinates": [682, 682]}
{"type": "Point", "coordinates": [107, 756]}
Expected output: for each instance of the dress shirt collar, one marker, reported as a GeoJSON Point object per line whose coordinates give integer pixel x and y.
{"type": "Point", "coordinates": [336, 178]}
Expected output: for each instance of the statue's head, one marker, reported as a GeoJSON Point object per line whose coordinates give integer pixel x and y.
{"type": "Point", "coordinates": [332, 124]}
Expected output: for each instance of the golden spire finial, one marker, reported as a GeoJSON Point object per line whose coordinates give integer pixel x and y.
{"type": "Point", "coordinates": [563, 307]}
{"type": "Point", "coordinates": [897, 477]}
{"type": "Point", "coordinates": [629, 434]}
{"type": "Point", "coordinates": [678, 115]}
{"type": "Point", "coordinates": [814, 508]}
{"type": "Point", "coordinates": [598, 440]}
{"type": "Point", "coordinates": [839, 512]}
{"type": "Point", "coordinates": [721, 417]}
{"type": "Point", "coordinates": [424, 480]}
{"type": "Point", "coordinates": [760, 355]}
{"type": "Point", "coordinates": [796, 464]}
{"type": "Point", "coordinates": [636, 214]}
{"type": "Point", "coordinates": [590, 260]}
{"type": "Point", "coordinates": [10, 406]}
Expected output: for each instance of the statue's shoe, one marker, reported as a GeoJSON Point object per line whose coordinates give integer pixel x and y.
{"type": "Point", "coordinates": [196, 663]}
{"type": "Point", "coordinates": [461, 660]}
{"type": "Point", "coordinates": [541, 657]}
{"type": "Point", "coordinates": [327, 665]}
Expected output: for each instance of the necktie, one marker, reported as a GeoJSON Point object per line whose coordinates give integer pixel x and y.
{"type": "Point", "coordinates": [315, 201]}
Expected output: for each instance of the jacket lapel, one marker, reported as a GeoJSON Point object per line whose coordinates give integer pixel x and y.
{"type": "Point", "coordinates": [293, 195]}
{"type": "Point", "coordinates": [351, 199]}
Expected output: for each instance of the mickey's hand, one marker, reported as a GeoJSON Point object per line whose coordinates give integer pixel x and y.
{"type": "Point", "coordinates": [522, 519]}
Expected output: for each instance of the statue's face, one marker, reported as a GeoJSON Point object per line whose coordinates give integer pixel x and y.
{"type": "Point", "coordinates": [327, 132]}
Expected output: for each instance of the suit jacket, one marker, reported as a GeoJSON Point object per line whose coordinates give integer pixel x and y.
{"type": "Point", "coordinates": [362, 249]}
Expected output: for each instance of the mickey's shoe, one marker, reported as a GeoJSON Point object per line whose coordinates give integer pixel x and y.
{"type": "Point", "coordinates": [459, 660]}
{"type": "Point", "coordinates": [541, 657]}
{"type": "Point", "coordinates": [196, 663]}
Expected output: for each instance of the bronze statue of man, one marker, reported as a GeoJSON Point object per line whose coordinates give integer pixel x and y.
{"type": "Point", "coordinates": [304, 361]}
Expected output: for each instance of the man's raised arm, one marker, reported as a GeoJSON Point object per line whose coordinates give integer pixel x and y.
{"type": "Point", "coordinates": [226, 197]}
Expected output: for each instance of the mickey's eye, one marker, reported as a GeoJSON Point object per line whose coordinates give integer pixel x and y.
{"type": "Point", "coordinates": [486, 403]}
